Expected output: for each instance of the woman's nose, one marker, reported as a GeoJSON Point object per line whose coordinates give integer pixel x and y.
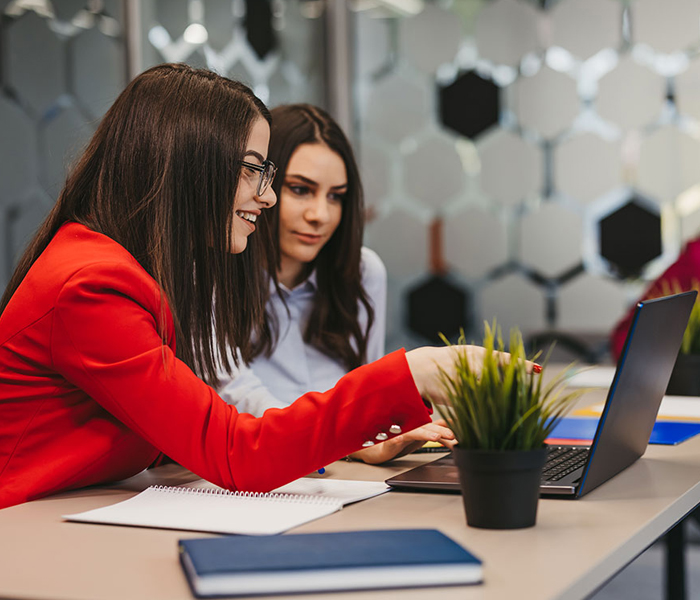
{"type": "Point", "coordinates": [318, 211]}
{"type": "Point", "coordinates": [268, 198]}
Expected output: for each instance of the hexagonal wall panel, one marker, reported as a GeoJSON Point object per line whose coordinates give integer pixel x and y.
{"type": "Point", "coordinates": [666, 27]}
{"type": "Point", "coordinates": [386, 236]}
{"type": "Point", "coordinates": [550, 239]}
{"type": "Point", "coordinates": [584, 27]}
{"type": "Point", "coordinates": [21, 221]}
{"type": "Point", "coordinates": [437, 306]}
{"type": "Point", "coordinates": [511, 169]}
{"type": "Point", "coordinates": [688, 211]}
{"type": "Point", "coordinates": [668, 163]}
{"type": "Point", "coordinates": [590, 304]}
{"type": "Point", "coordinates": [630, 95]}
{"type": "Point", "coordinates": [397, 108]}
{"type": "Point", "coordinates": [376, 173]}
{"type": "Point", "coordinates": [586, 166]}
{"type": "Point", "coordinates": [630, 237]}
{"type": "Point", "coordinates": [514, 302]}
{"type": "Point", "coordinates": [439, 26]}
{"type": "Point", "coordinates": [433, 173]}
{"type": "Point", "coordinates": [470, 105]}
{"type": "Point", "coordinates": [173, 15]}
{"type": "Point", "coordinates": [64, 138]}
{"type": "Point", "coordinates": [546, 102]}
{"type": "Point", "coordinates": [65, 10]}
{"type": "Point", "coordinates": [506, 30]}
{"type": "Point", "coordinates": [299, 41]}
{"type": "Point", "coordinates": [97, 70]}
{"type": "Point", "coordinates": [35, 61]}
{"type": "Point", "coordinates": [372, 44]}
{"type": "Point", "coordinates": [687, 91]}
{"type": "Point", "coordinates": [219, 21]}
{"type": "Point", "coordinates": [17, 151]}
{"type": "Point", "coordinates": [467, 234]}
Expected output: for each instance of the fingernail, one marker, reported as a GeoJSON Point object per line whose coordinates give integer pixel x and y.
{"type": "Point", "coordinates": [537, 368]}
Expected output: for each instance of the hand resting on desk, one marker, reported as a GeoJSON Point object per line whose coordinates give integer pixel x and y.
{"type": "Point", "coordinates": [406, 443]}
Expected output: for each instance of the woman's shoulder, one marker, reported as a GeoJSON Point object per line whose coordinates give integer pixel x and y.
{"type": "Point", "coordinates": [79, 255]}
{"type": "Point", "coordinates": [78, 246]}
{"type": "Point", "coordinates": [372, 266]}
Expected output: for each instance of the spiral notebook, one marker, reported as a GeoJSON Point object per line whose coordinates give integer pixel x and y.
{"type": "Point", "coordinates": [216, 510]}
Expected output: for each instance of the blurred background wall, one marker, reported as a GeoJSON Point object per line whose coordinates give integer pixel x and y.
{"type": "Point", "coordinates": [535, 162]}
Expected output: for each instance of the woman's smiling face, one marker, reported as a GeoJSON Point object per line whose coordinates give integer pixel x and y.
{"type": "Point", "coordinates": [247, 204]}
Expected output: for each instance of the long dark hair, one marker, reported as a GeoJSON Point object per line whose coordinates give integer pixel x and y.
{"type": "Point", "coordinates": [159, 177]}
{"type": "Point", "coordinates": [333, 325]}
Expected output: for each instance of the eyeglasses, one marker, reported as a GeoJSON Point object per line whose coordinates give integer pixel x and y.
{"type": "Point", "coordinates": [267, 172]}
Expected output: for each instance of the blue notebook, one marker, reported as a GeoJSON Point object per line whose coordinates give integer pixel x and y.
{"type": "Point", "coordinates": [665, 432]}
{"type": "Point", "coordinates": [325, 562]}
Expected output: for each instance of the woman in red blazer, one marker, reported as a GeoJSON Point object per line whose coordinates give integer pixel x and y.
{"type": "Point", "coordinates": [145, 248]}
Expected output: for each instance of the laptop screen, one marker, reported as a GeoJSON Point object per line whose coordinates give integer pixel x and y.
{"type": "Point", "coordinates": [638, 387]}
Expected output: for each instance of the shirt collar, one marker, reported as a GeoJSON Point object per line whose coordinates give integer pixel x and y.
{"type": "Point", "coordinates": [310, 284]}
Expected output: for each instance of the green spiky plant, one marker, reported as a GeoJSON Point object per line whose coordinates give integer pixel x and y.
{"type": "Point", "coordinates": [502, 406]}
{"type": "Point", "coordinates": [691, 337]}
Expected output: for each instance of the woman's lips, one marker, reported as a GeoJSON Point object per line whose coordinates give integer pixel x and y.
{"type": "Point", "coordinates": [248, 223]}
{"type": "Point", "coordinates": [308, 238]}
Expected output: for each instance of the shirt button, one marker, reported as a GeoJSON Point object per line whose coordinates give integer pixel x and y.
{"type": "Point", "coordinates": [395, 429]}
{"type": "Point", "coordinates": [381, 436]}
{"type": "Point", "coordinates": [368, 444]}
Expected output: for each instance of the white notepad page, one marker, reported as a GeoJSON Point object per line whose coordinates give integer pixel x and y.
{"type": "Point", "coordinates": [211, 509]}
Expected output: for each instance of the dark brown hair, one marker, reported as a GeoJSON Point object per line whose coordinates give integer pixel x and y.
{"type": "Point", "coordinates": [159, 177]}
{"type": "Point", "coordinates": [333, 325]}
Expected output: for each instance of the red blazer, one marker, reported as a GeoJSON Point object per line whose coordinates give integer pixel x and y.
{"type": "Point", "coordinates": [90, 394]}
{"type": "Point", "coordinates": [682, 275]}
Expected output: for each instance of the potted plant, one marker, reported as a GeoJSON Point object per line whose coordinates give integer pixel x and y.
{"type": "Point", "coordinates": [685, 378]}
{"type": "Point", "coordinates": [501, 416]}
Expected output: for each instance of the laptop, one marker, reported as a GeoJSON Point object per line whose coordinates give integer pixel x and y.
{"type": "Point", "coordinates": [625, 425]}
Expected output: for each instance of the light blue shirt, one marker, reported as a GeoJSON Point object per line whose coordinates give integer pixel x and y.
{"type": "Point", "coordinates": [295, 367]}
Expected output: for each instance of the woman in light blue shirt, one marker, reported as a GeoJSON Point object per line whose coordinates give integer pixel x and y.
{"type": "Point", "coordinates": [326, 314]}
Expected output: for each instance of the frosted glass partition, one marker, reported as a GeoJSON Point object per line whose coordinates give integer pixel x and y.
{"type": "Point", "coordinates": [536, 154]}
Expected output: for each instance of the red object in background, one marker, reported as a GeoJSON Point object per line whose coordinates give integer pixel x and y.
{"type": "Point", "coordinates": [681, 276]}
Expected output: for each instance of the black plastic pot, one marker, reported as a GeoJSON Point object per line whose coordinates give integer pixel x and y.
{"type": "Point", "coordinates": [685, 379]}
{"type": "Point", "coordinates": [500, 489]}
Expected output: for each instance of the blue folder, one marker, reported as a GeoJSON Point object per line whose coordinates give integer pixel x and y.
{"type": "Point", "coordinates": [668, 433]}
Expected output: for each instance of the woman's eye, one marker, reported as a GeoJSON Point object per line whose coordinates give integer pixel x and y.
{"type": "Point", "coordinates": [299, 190]}
{"type": "Point", "coordinates": [337, 197]}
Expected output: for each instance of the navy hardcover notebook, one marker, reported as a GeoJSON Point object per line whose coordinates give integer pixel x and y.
{"type": "Point", "coordinates": [324, 562]}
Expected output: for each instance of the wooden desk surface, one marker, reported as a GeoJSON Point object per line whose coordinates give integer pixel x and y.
{"type": "Point", "coordinates": [575, 547]}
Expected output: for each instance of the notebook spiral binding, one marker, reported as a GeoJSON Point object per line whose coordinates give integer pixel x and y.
{"type": "Point", "coordinates": [291, 498]}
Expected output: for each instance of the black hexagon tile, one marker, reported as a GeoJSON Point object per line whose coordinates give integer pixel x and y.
{"type": "Point", "coordinates": [258, 23]}
{"type": "Point", "coordinates": [470, 105]}
{"type": "Point", "coordinates": [437, 306]}
{"type": "Point", "coordinates": [630, 237]}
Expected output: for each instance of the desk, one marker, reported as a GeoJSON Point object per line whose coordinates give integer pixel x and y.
{"type": "Point", "coordinates": [575, 547]}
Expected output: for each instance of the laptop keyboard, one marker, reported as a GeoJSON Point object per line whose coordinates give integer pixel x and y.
{"type": "Point", "coordinates": [562, 460]}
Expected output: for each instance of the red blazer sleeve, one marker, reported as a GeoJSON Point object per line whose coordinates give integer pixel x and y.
{"type": "Point", "coordinates": [682, 275]}
{"type": "Point", "coordinates": [105, 340]}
